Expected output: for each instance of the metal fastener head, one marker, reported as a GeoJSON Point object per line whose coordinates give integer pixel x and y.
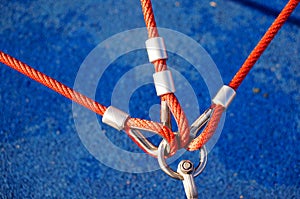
{"type": "Point", "coordinates": [186, 166]}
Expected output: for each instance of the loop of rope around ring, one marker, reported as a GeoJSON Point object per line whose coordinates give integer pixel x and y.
{"type": "Point", "coordinates": [212, 125]}
{"type": "Point", "coordinates": [171, 99]}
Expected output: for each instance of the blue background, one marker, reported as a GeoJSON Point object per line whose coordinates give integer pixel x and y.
{"type": "Point", "coordinates": [257, 155]}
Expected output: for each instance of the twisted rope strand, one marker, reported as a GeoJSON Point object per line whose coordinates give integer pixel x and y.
{"type": "Point", "coordinates": [160, 65]}
{"type": "Point", "coordinates": [209, 130]}
{"type": "Point", "coordinates": [263, 44]}
{"type": "Point", "coordinates": [52, 83]}
{"type": "Point", "coordinates": [243, 71]}
{"type": "Point", "coordinates": [171, 99]}
{"type": "Point", "coordinates": [85, 101]}
{"type": "Point", "coordinates": [149, 18]}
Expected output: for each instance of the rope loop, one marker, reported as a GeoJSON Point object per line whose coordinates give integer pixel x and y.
{"type": "Point", "coordinates": [133, 125]}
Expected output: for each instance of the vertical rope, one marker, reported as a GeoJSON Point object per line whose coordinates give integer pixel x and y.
{"type": "Point", "coordinates": [160, 65]}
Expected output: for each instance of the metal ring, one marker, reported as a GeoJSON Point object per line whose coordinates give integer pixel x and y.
{"type": "Point", "coordinates": [165, 167]}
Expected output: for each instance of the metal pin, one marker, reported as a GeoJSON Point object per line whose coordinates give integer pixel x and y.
{"type": "Point", "coordinates": [165, 115]}
{"type": "Point", "coordinates": [186, 169]}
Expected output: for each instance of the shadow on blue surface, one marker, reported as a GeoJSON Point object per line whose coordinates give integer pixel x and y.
{"type": "Point", "coordinates": [265, 9]}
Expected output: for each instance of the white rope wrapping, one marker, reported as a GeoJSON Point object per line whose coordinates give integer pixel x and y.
{"type": "Point", "coordinates": [156, 49]}
{"type": "Point", "coordinates": [164, 82]}
{"type": "Point", "coordinates": [224, 96]}
{"type": "Point", "coordinates": [115, 118]}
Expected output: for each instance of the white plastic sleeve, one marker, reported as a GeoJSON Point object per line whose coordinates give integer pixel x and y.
{"type": "Point", "coordinates": [224, 96]}
{"type": "Point", "coordinates": [156, 49]}
{"type": "Point", "coordinates": [164, 82]}
{"type": "Point", "coordinates": [115, 118]}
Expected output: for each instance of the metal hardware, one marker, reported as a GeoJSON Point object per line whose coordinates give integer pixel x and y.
{"type": "Point", "coordinates": [186, 170]}
{"type": "Point", "coordinates": [143, 142]}
{"type": "Point", "coordinates": [200, 122]}
{"type": "Point", "coordinates": [165, 167]}
{"type": "Point", "coordinates": [165, 114]}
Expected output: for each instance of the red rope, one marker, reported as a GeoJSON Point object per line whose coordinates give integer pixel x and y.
{"type": "Point", "coordinates": [263, 44]}
{"type": "Point", "coordinates": [161, 65]}
{"type": "Point", "coordinates": [209, 130]}
{"type": "Point", "coordinates": [52, 83]}
{"type": "Point", "coordinates": [154, 127]}
{"type": "Point", "coordinates": [149, 18]}
{"type": "Point", "coordinates": [85, 101]}
{"type": "Point", "coordinates": [243, 71]}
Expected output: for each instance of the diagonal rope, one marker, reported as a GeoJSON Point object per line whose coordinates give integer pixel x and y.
{"type": "Point", "coordinates": [211, 127]}
{"type": "Point", "coordinates": [52, 83]}
{"type": "Point", "coordinates": [263, 44]}
{"type": "Point", "coordinates": [160, 65]}
{"type": "Point", "coordinates": [85, 101]}
{"type": "Point", "coordinates": [209, 130]}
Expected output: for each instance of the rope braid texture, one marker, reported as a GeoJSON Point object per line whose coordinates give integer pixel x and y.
{"type": "Point", "coordinates": [236, 81]}
{"type": "Point", "coordinates": [263, 44]}
{"type": "Point", "coordinates": [160, 65]}
{"type": "Point", "coordinates": [86, 101]}
{"type": "Point", "coordinates": [172, 101]}
{"type": "Point", "coordinates": [51, 83]}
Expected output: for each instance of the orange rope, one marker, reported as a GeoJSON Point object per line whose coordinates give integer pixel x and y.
{"type": "Point", "coordinates": [172, 101]}
{"type": "Point", "coordinates": [154, 127]}
{"type": "Point", "coordinates": [52, 83]}
{"type": "Point", "coordinates": [85, 101]}
{"type": "Point", "coordinates": [166, 133]}
{"type": "Point", "coordinates": [209, 130]}
{"type": "Point", "coordinates": [263, 44]}
{"type": "Point", "coordinates": [243, 71]}
{"type": "Point", "coordinates": [160, 65]}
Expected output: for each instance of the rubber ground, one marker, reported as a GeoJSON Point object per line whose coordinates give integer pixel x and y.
{"type": "Point", "coordinates": [42, 156]}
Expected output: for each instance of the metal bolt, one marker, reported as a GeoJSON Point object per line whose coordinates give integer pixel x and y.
{"type": "Point", "coordinates": [186, 169]}
{"type": "Point", "coordinates": [187, 166]}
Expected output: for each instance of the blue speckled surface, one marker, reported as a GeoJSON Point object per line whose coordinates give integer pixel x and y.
{"type": "Point", "coordinates": [41, 154]}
